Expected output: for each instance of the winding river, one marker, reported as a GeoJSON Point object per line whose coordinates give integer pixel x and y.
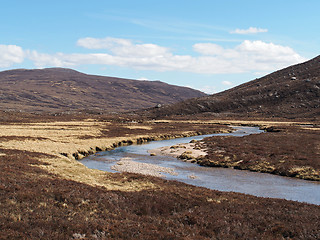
{"type": "Point", "coordinates": [222, 179]}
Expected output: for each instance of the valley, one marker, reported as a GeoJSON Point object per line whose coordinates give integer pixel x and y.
{"type": "Point", "coordinates": [46, 193]}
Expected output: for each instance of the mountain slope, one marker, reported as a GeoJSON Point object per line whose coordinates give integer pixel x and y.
{"type": "Point", "coordinates": [59, 89]}
{"type": "Point", "coordinates": [291, 92]}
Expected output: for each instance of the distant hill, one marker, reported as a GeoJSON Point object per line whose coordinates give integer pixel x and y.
{"type": "Point", "coordinates": [59, 89]}
{"type": "Point", "coordinates": [292, 92]}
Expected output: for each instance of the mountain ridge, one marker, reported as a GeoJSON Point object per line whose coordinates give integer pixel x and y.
{"type": "Point", "coordinates": [290, 92]}
{"type": "Point", "coordinates": [63, 89]}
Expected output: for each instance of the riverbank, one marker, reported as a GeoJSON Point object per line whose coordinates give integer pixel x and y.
{"type": "Point", "coordinates": [63, 142]}
{"type": "Point", "coordinates": [46, 194]}
{"type": "Point", "coordinates": [292, 151]}
{"type": "Point", "coordinates": [285, 150]}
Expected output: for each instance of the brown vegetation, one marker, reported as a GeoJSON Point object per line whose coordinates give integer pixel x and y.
{"type": "Point", "coordinates": [291, 93]}
{"type": "Point", "coordinates": [44, 195]}
{"type": "Point", "coordinates": [292, 151]}
{"type": "Point", "coordinates": [58, 89]}
{"type": "Point", "coordinates": [36, 204]}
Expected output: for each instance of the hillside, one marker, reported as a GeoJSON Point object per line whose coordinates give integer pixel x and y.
{"type": "Point", "coordinates": [59, 89]}
{"type": "Point", "coordinates": [290, 93]}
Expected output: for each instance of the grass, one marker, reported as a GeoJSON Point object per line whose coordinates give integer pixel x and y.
{"type": "Point", "coordinates": [62, 142]}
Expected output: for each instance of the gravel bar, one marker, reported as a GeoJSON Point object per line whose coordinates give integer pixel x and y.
{"type": "Point", "coordinates": [127, 165]}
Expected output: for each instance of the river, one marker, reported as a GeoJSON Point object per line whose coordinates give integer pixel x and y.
{"type": "Point", "coordinates": [222, 179]}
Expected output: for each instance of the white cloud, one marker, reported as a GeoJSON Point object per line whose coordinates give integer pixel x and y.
{"type": "Point", "coordinates": [227, 83]}
{"type": "Point", "coordinates": [123, 47]}
{"type": "Point", "coordinates": [70, 60]}
{"type": "Point", "coordinates": [250, 30]}
{"type": "Point", "coordinates": [208, 48]}
{"type": "Point", "coordinates": [105, 43]}
{"type": "Point", "coordinates": [245, 57]}
{"type": "Point", "coordinates": [207, 89]}
{"type": "Point", "coordinates": [10, 54]}
{"type": "Point", "coordinates": [143, 79]}
{"type": "Point", "coordinates": [249, 56]}
{"type": "Point", "coordinates": [43, 59]}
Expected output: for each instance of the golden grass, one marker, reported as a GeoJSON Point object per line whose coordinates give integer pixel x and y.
{"type": "Point", "coordinates": [305, 171]}
{"type": "Point", "coordinates": [139, 127]}
{"type": "Point", "coordinates": [59, 137]}
{"type": "Point", "coordinates": [74, 170]}
{"type": "Point", "coordinates": [55, 138]}
{"type": "Point", "coordinates": [313, 129]}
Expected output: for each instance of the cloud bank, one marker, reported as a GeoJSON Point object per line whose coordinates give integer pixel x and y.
{"type": "Point", "coordinates": [208, 58]}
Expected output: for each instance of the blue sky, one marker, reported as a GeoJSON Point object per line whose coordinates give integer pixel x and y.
{"type": "Point", "coordinates": [205, 44]}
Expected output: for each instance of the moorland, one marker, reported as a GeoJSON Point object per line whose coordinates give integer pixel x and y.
{"type": "Point", "coordinates": [47, 194]}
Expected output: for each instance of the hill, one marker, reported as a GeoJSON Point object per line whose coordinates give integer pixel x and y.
{"type": "Point", "coordinates": [288, 93]}
{"type": "Point", "coordinates": [59, 89]}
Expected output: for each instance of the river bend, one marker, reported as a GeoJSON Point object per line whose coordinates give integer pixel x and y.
{"type": "Point", "coordinates": [222, 179]}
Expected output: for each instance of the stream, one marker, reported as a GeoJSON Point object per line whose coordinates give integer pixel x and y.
{"type": "Point", "coordinates": [222, 179]}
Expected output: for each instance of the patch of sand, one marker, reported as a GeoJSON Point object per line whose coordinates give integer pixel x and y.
{"type": "Point", "coordinates": [127, 165]}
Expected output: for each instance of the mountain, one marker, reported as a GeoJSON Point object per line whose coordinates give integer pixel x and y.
{"type": "Point", "coordinates": [288, 93]}
{"type": "Point", "coordinates": [59, 89]}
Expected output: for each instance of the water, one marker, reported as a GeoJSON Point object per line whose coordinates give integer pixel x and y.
{"type": "Point", "coordinates": [222, 179]}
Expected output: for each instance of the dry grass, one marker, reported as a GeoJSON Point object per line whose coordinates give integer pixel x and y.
{"type": "Point", "coordinates": [140, 127]}
{"type": "Point", "coordinates": [63, 142]}
{"type": "Point", "coordinates": [57, 138]}
{"type": "Point", "coordinates": [63, 137]}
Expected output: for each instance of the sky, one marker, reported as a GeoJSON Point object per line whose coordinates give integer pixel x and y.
{"type": "Point", "coordinates": [210, 45]}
